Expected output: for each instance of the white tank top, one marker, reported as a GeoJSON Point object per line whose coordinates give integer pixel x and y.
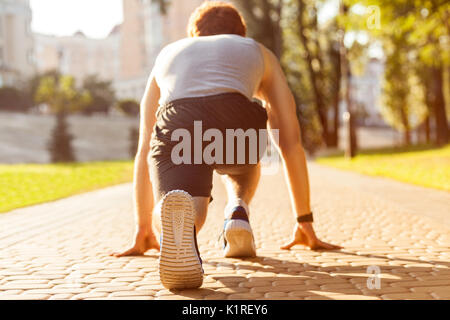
{"type": "Point", "coordinates": [209, 65]}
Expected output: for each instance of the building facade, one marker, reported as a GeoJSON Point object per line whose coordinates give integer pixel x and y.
{"type": "Point", "coordinates": [79, 55]}
{"type": "Point", "coordinates": [145, 31]}
{"type": "Point", "coordinates": [16, 42]}
{"type": "Point", "coordinates": [367, 90]}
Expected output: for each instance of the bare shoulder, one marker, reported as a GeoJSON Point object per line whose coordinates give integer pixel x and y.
{"type": "Point", "coordinates": [268, 54]}
{"type": "Point", "coordinates": [272, 66]}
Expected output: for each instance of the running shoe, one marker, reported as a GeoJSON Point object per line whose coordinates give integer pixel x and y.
{"type": "Point", "coordinates": [180, 265]}
{"type": "Point", "coordinates": [238, 235]}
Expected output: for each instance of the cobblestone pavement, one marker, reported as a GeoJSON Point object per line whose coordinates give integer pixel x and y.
{"type": "Point", "coordinates": [60, 250]}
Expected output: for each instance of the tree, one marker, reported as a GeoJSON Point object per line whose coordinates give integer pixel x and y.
{"type": "Point", "coordinates": [335, 76]}
{"type": "Point", "coordinates": [129, 107]}
{"type": "Point", "coordinates": [61, 95]}
{"type": "Point", "coordinates": [421, 25]}
{"type": "Point", "coordinates": [312, 57]}
{"type": "Point", "coordinates": [102, 94]}
{"type": "Point", "coordinates": [32, 85]}
{"type": "Point", "coordinates": [307, 32]}
{"type": "Point", "coordinates": [263, 18]}
{"type": "Point", "coordinates": [12, 99]}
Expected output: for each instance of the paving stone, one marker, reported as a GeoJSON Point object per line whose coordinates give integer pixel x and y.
{"type": "Point", "coordinates": [25, 297]}
{"type": "Point", "coordinates": [244, 296]}
{"type": "Point", "coordinates": [132, 293]}
{"type": "Point", "coordinates": [58, 251]}
{"type": "Point", "coordinates": [407, 296]}
{"type": "Point", "coordinates": [61, 296]}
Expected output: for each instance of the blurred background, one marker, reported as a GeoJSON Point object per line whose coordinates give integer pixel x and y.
{"type": "Point", "coordinates": [369, 78]}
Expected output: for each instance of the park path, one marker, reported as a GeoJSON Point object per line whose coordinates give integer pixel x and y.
{"type": "Point", "coordinates": [59, 250]}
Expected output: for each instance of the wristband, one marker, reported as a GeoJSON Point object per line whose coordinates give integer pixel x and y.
{"type": "Point", "coordinates": [306, 218]}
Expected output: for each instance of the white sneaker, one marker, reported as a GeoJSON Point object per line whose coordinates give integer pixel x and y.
{"type": "Point", "coordinates": [238, 235]}
{"type": "Point", "coordinates": [180, 265]}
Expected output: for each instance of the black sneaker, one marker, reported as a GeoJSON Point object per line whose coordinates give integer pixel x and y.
{"type": "Point", "coordinates": [238, 235]}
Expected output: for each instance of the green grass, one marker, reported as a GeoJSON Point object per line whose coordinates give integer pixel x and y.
{"type": "Point", "coordinates": [419, 165]}
{"type": "Point", "coordinates": [29, 184]}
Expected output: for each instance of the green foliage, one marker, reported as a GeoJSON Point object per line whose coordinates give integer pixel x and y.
{"type": "Point", "coordinates": [263, 18]}
{"type": "Point", "coordinates": [24, 185]}
{"type": "Point", "coordinates": [32, 85]}
{"type": "Point", "coordinates": [129, 107]}
{"type": "Point", "coordinates": [12, 99]}
{"type": "Point", "coordinates": [416, 39]}
{"type": "Point", "coordinates": [102, 95]}
{"type": "Point", "coordinates": [61, 94]}
{"type": "Point", "coordinates": [312, 63]}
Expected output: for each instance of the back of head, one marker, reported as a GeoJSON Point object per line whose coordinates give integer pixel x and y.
{"type": "Point", "coordinates": [216, 17]}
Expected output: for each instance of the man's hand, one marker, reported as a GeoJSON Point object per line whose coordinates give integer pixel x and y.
{"type": "Point", "coordinates": [145, 239]}
{"type": "Point", "coordinates": [304, 234]}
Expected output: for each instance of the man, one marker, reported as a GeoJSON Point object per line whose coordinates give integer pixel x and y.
{"type": "Point", "coordinates": [209, 80]}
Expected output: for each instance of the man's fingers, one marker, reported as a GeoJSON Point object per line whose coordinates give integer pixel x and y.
{"type": "Point", "coordinates": [130, 252]}
{"type": "Point", "coordinates": [325, 246]}
{"type": "Point", "coordinates": [289, 245]}
{"type": "Point", "coordinates": [330, 246]}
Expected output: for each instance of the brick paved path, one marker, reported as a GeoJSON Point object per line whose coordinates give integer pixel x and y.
{"type": "Point", "coordinates": [60, 250]}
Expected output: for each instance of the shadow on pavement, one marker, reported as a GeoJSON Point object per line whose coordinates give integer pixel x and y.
{"type": "Point", "coordinates": [300, 280]}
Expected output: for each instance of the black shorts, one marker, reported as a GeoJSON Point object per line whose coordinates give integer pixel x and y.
{"type": "Point", "coordinates": [221, 112]}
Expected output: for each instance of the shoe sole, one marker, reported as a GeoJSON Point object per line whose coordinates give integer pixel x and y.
{"type": "Point", "coordinates": [240, 241]}
{"type": "Point", "coordinates": [179, 263]}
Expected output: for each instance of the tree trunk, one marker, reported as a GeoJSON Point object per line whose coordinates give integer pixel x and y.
{"type": "Point", "coordinates": [334, 132]}
{"type": "Point", "coordinates": [438, 105]}
{"type": "Point", "coordinates": [427, 130]}
{"type": "Point", "coordinates": [266, 28]}
{"type": "Point", "coordinates": [277, 31]}
{"type": "Point", "coordinates": [352, 143]}
{"type": "Point", "coordinates": [407, 131]}
{"type": "Point", "coordinates": [314, 78]}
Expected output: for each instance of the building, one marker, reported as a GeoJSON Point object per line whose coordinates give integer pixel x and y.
{"type": "Point", "coordinates": [145, 31]}
{"type": "Point", "coordinates": [79, 55]}
{"type": "Point", "coordinates": [16, 42]}
{"type": "Point", "coordinates": [367, 89]}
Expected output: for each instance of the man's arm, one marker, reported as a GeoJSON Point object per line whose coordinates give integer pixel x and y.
{"type": "Point", "coordinates": [143, 193]}
{"type": "Point", "coordinates": [281, 110]}
{"type": "Point", "coordinates": [142, 189]}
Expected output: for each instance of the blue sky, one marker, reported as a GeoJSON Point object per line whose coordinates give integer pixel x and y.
{"type": "Point", "coordinates": [95, 18]}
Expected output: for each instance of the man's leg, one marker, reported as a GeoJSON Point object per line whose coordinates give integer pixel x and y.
{"type": "Point", "coordinates": [238, 235]}
{"type": "Point", "coordinates": [242, 186]}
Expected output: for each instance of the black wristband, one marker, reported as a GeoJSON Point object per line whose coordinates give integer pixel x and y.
{"type": "Point", "coordinates": [305, 218]}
